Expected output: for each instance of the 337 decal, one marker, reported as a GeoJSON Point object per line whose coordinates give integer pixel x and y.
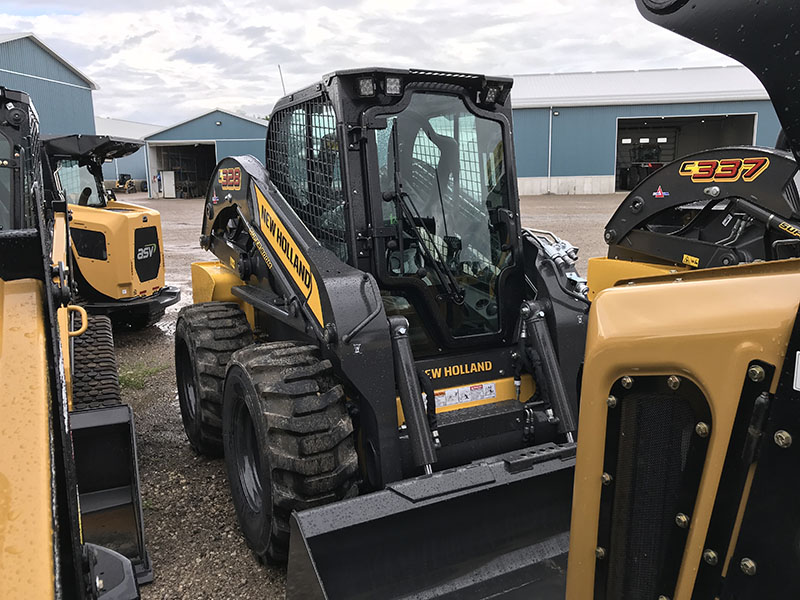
{"type": "Point", "coordinates": [726, 170]}
{"type": "Point", "coordinates": [230, 179]}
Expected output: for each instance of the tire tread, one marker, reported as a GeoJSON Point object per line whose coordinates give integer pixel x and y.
{"type": "Point", "coordinates": [311, 450]}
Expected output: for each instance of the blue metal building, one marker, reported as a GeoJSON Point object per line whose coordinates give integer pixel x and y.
{"type": "Point", "coordinates": [588, 133]}
{"type": "Point", "coordinates": [184, 155]}
{"type": "Point", "coordinates": [61, 94]}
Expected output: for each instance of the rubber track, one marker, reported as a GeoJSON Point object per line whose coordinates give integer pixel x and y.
{"type": "Point", "coordinates": [214, 331]}
{"type": "Point", "coordinates": [311, 450]}
{"type": "Point", "coordinates": [95, 379]}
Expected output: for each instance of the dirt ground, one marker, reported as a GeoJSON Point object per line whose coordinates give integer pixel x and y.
{"type": "Point", "coordinates": [190, 526]}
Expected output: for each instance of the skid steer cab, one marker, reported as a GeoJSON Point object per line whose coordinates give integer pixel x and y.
{"type": "Point", "coordinates": [70, 510]}
{"type": "Point", "coordinates": [117, 247]}
{"type": "Point", "coordinates": [378, 324]}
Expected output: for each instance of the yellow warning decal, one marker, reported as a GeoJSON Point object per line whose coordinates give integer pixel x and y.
{"type": "Point", "coordinates": [289, 254]}
{"type": "Point", "coordinates": [477, 394]}
{"type": "Point", "coordinates": [690, 260]}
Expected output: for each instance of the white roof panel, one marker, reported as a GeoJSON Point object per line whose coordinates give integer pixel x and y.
{"type": "Point", "coordinates": [651, 86]}
{"type": "Point", "coordinates": [126, 129]}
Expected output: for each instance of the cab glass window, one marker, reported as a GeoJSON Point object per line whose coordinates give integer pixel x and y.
{"type": "Point", "coordinates": [78, 184]}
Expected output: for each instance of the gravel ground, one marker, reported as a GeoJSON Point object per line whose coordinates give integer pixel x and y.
{"type": "Point", "coordinates": [190, 526]}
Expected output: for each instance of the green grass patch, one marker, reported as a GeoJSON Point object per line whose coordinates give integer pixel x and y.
{"type": "Point", "coordinates": [135, 377]}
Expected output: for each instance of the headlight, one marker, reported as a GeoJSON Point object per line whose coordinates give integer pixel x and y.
{"type": "Point", "coordinates": [366, 86]}
{"type": "Point", "coordinates": [393, 87]}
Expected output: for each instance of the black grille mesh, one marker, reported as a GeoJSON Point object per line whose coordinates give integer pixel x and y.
{"type": "Point", "coordinates": [303, 163]}
{"type": "Point", "coordinates": [655, 433]}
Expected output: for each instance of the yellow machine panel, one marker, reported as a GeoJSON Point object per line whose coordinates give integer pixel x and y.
{"type": "Point", "coordinates": [26, 510]}
{"type": "Point", "coordinates": [705, 326]}
{"type": "Point", "coordinates": [607, 272]}
{"type": "Point", "coordinates": [212, 281]}
{"type": "Point", "coordinates": [115, 276]}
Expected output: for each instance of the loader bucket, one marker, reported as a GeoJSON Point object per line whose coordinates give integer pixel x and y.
{"type": "Point", "coordinates": [497, 527]}
{"type": "Point", "coordinates": [104, 442]}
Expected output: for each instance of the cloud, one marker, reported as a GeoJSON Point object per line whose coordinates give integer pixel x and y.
{"type": "Point", "coordinates": [202, 55]}
{"type": "Point", "coordinates": [164, 62]}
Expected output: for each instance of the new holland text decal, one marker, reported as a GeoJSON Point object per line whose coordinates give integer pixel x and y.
{"type": "Point", "coordinates": [289, 254]}
{"type": "Point", "coordinates": [463, 369]}
{"type": "Point", "coordinates": [727, 170]}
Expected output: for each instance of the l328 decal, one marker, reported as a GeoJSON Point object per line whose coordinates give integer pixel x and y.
{"type": "Point", "coordinates": [727, 170]}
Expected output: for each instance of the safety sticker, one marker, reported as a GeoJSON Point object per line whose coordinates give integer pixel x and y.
{"type": "Point", "coordinates": [796, 382]}
{"type": "Point", "coordinates": [659, 193]}
{"type": "Point", "coordinates": [467, 393]}
{"type": "Point", "coordinates": [690, 260]}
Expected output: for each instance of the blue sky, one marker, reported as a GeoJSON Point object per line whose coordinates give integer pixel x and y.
{"type": "Point", "coordinates": [163, 62]}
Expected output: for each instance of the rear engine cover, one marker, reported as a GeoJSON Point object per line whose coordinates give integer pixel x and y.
{"type": "Point", "coordinates": [147, 257]}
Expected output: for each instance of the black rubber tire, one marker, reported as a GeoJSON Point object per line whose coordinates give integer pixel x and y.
{"type": "Point", "coordinates": [288, 440]}
{"type": "Point", "coordinates": [206, 335]}
{"type": "Point", "coordinates": [95, 378]}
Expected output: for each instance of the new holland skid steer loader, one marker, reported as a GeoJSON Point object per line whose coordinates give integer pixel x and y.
{"type": "Point", "coordinates": [70, 514]}
{"type": "Point", "coordinates": [117, 248]}
{"type": "Point", "coordinates": [379, 264]}
{"type": "Point", "coordinates": [376, 313]}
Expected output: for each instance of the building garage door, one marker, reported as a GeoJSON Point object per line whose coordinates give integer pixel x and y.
{"type": "Point", "coordinates": [191, 166]}
{"type": "Point", "coordinates": [646, 144]}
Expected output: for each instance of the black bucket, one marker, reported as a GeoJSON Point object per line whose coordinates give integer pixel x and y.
{"type": "Point", "coordinates": [497, 527]}
{"type": "Point", "coordinates": [104, 442]}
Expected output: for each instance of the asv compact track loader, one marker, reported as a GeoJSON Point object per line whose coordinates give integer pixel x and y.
{"type": "Point", "coordinates": [405, 324]}
{"type": "Point", "coordinates": [683, 485]}
{"type": "Point", "coordinates": [70, 515]}
{"type": "Point", "coordinates": [688, 453]}
{"type": "Point", "coordinates": [117, 247]}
